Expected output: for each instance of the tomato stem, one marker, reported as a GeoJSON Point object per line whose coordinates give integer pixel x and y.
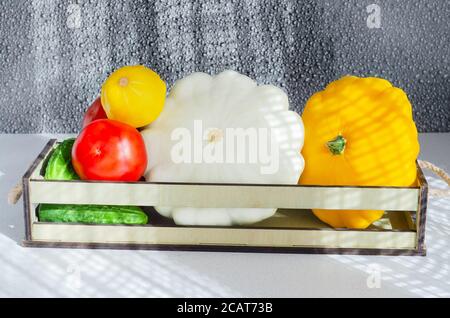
{"type": "Point", "coordinates": [123, 81]}
{"type": "Point", "coordinates": [337, 145]}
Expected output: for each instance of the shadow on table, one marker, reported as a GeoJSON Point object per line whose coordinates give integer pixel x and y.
{"type": "Point", "coordinates": [420, 276]}
{"type": "Point", "coordinates": [104, 273]}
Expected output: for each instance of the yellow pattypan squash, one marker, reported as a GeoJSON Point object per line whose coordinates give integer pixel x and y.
{"type": "Point", "coordinates": [134, 95]}
{"type": "Point", "coordinates": [359, 132]}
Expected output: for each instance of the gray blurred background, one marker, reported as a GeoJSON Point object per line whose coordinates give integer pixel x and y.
{"type": "Point", "coordinates": [54, 55]}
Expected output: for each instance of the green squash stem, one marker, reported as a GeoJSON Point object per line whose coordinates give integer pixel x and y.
{"type": "Point", "coordinates": [337, 145]}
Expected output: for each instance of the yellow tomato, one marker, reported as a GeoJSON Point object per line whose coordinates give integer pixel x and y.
{"type": "Point", "coordinates": [134, 95]}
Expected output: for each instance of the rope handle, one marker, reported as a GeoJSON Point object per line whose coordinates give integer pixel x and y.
{"type": "Point", "coordinates": [436, 193]}
{"type": "Point", "coordinates": [15, 194]}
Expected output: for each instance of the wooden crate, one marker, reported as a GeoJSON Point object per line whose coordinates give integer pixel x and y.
{"type": "Point", "coordinates": [293, 229]}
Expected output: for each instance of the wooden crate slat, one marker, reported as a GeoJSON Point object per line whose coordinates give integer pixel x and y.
{"type": "Point", "coordinates": [222, 236]}
{"type": "Point", "coordinates": [224, 196]}
{"type": "Point", "coordinates": [421, 210]}
{"type": "Point", "coordinates": [33, 170]}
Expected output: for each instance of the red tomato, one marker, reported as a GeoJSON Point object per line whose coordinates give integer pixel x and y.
{"type": "Point", "coordinates": [109, 150]}
{"type": "Point", "coordinates": [94, 112]}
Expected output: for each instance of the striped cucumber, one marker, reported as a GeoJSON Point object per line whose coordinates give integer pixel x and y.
{"type": "Point", "coordinates": [91, 214]}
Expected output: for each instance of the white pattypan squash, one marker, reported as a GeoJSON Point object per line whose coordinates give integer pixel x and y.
{"type": "Point", "coordinates": [224, 129]}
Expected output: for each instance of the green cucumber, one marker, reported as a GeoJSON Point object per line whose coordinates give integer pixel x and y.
{"type": "Point", "coordinates": [59, 166]}
{"type": "Point", "coordinates": [91, 214]}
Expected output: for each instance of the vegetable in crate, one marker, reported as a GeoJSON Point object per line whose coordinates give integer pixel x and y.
{"type": "Point", "coordinates": [133, 95]}
{"type": "Point", "coordinates": [91, 214]}
{"type": "Point", "coordinates": [59, 166]}
{"type": "Point", "coordinates": [109, 150]}
{"type": "Point", "coordinates": [94, 112]}
{"type": "Point", "coordinates": [197, 138]}
{"type": "Point", "coordinates": [359, 132]}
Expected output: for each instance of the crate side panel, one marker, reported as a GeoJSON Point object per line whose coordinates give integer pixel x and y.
{"type": "Point", "coordinates": [32, 171]}
{"type": "Point", "coordinates": [27, 210]}
{"type": "Point", "coordinates": [224, 196]}
{"type": "Point", "coordinates": [422, 209]}
{"type": "Point", "coordinates": [222, 236]}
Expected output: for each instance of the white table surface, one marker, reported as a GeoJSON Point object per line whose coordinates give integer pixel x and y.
{"type": "Point", "coordinates": [27, 272]}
